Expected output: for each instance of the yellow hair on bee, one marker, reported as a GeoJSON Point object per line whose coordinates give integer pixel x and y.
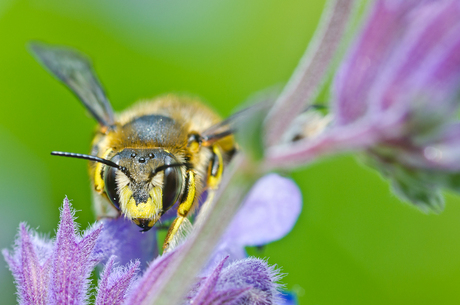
{"type": "Point", "coordinates": [146, 210]}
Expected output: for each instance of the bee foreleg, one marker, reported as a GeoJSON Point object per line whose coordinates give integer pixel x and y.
{"type": "Point", "coordinates": [181, 225]}
{"type": "Point", "coordinates": [185, 206]}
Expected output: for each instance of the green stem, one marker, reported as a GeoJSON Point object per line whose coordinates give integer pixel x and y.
{"type": "Point", "coordinates": [310, 74]}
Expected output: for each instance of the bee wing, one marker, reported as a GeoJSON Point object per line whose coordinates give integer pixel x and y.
{"type": "Point", "coordinates": [74, 69]}
{"type": "Point", "coordinates": [231, 124]}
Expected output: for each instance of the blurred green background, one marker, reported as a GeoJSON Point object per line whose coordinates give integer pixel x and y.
{"type": "Point", "coordinates": [355, 243]}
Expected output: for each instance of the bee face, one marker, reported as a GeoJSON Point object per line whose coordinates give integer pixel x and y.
{"type": "Point", "coordinates": [145, 185]}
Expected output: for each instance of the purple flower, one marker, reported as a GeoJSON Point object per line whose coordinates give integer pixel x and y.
{"type": "Point", "coordinates": [396, 98]}
{"type": "Point", "coordinates": [30, 264]}
{"type": "Point", "coordinates": [54, 272]}
{"type": "Point", "coordinates": [204, 292]}
{"type": "Point", "coordinates": [57, 271]}
{"type": "Point", "coordinates": [248, 281]}
{"type": "Point", "coordinates": [121, 239]}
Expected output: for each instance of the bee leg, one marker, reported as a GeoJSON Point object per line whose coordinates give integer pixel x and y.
{"type": "Point", "coordinates": [185, 206]}
{"type": "Point", "coordinates": [216, 168]}
{"type": "Point", "coordinates": [181, 224]}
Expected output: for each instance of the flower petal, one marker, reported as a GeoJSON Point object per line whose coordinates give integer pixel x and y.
{"type": "Point", "coordinates": [115, 283]}
{"type": "Point", "coordinates": [204, 295]}
{"type": "Point", "coordinates": [121, 237]}
{"type": "Point", "coordinates": [145, 287]}
{"type": "Point", "coordinates": [54, 273]}
{"type": "Point", "coordinates": [424, 64]}
{"type": "Point", "coordinates": [361, 67]}
{"type": "Point", "coordinates": [30, 265]}
{"type": "Point", "coordinates": [268, 213]}
{"type": "Point", "coordinates": [408, 49]}
{"type": "Point", "coordinates": [72, 262]}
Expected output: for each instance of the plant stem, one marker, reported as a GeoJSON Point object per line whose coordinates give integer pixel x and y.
{"type": "Point", "coordinates": [311, 72]}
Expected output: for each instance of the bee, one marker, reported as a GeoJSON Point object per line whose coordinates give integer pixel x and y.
{"type": "Point", "coordinates": [151, 156]}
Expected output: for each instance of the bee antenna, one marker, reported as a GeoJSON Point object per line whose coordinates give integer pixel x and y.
{"type": "Point", "coordinates": [87, 157]}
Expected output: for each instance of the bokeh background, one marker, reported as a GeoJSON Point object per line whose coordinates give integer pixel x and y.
{"type": "Point", "coordinates": [355, 242]}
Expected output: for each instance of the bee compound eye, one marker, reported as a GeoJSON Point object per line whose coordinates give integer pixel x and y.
{"type": "Point", "coordinates": [111, 187]}
{"type": "Point", "coordinates": [172, 187]}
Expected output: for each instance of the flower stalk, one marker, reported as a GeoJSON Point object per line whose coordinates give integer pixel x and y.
{"type": "Point", "coordinates": [311, 72]}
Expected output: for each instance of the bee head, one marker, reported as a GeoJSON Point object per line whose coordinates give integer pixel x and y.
{"type": "Point", "coordinates": [141, 183]}
{"type": "Point", "coordinates": [147, 183]}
